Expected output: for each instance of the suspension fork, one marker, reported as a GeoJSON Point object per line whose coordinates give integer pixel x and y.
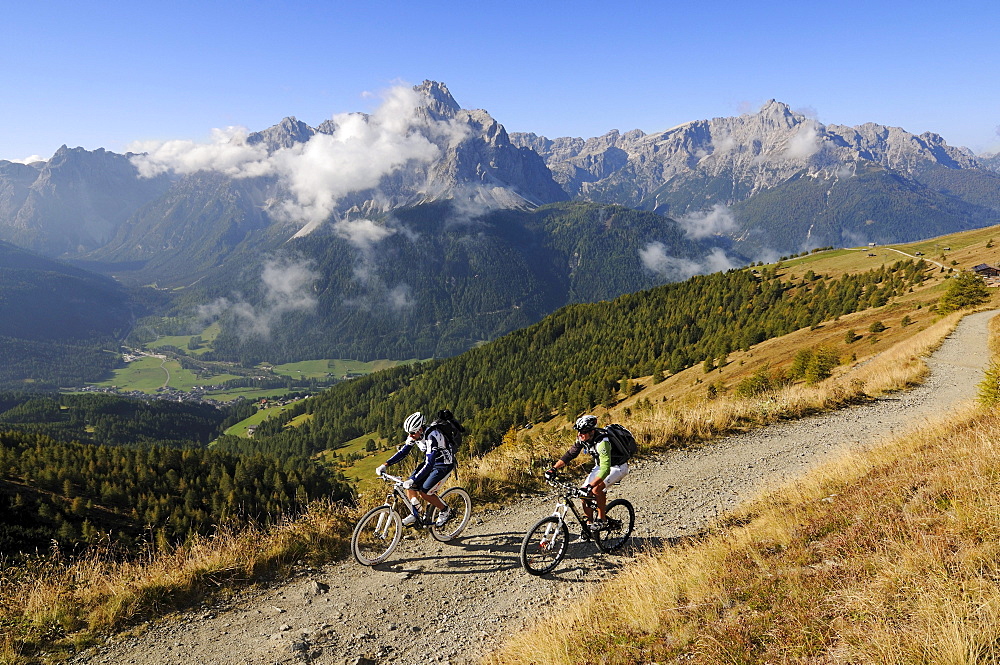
{"type": "Point", "coordinates": [560, 511]}
{"type": "Point", "coordinates": [384, 519]}
{"type": "Point", "coordinates": [560, 514]}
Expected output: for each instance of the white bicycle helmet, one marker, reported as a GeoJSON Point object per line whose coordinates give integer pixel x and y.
{"type": "Point", "coordinates": [413, 422]}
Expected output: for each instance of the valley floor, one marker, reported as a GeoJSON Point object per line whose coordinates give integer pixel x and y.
{"type": "Point", "coordinates": [454, 602]}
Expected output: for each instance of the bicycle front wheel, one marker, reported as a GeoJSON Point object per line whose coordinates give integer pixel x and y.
{"type": "Point", "coordinates": [460, 503]}
{"type": "Point", "coordinates": [544, 545]}
{"type": "Point", "coordinates": [376, 535]}
{"type": "Point", "coordinates": [620, 518]}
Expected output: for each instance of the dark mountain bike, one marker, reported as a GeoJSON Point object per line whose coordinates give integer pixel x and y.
{"type": "Point", "coordinates": [544, 546]}
{"type": "Point", "coordinates": [379, 531]}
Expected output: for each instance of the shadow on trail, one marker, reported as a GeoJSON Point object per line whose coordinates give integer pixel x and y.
{"type": "Point", "coordinates": [492, 552]}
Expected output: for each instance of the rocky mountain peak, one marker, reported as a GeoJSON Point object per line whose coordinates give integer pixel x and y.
{"type": "Point", "coordinates": [439, 99]}
{"type": "Point", "coordinates": [773, 107]}
{"type": "Point", "coordinates": [285, 134]}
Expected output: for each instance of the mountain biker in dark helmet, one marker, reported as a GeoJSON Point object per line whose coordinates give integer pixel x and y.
{"type": "Point", "coordinates": [608, 469]}
{"type": "Point", "coordinates": [439, 461]}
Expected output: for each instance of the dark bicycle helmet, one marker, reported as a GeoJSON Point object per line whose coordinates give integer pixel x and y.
{"type": "Point", "coordinates": [585, 423]}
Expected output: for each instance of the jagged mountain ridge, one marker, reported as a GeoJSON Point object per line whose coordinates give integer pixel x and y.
{"type": "Point", "coordinates": [82, 201]}
{"type": "Point", "coordinates": [212, 216]}
{"type": "Point", "coordinates": [758, 151]}
{"type": "Point", "coordinates": [96, 201]}
{"type": "Point", "coordinates": [729, 161]}
{"type": "Point", "coordinates": [783, 181]}
{"type": "Point", "coordinates": [479, 161]}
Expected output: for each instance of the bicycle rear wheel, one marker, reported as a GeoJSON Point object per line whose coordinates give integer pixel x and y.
{"type": "Point", "coordinates": [544, 545]}
{"type": "Point", "coordinates": [460, 503]}
{"type": "Point", "coordinates": [376, 535]}
{"type": "Point", "coordinates": [619, 518]}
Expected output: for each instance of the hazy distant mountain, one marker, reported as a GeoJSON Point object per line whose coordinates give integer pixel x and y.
{"type": "Point", "coordinates": [59, 325]}
{"type": "Point", "coordinates": [990, 161]}
{"type": "Point", "coordinates": [72, 203]}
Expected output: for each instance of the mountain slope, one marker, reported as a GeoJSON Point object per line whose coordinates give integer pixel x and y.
{"type": "Point", "coordinates": [583, 356]}
{"type": "Point", "coordinates": [56, 320]}
{"type": "Point", "coordinates": [435, 283]}
{"type": "Point", "coordinates": [676, 494]}
{"type": "Point", "coordinates": [72, 203]}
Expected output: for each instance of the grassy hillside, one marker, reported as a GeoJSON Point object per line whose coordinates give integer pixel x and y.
{"type": "Point", "coordinates": [694, 388]}
{"type": "Point", "coordinates": [52, 605]}
{"type": "Point", "coordinates": [588, 356]}
{"type": "Point", "coordinates": [889, 556]}
{"type": "Point", "coordinates": [48, 605]}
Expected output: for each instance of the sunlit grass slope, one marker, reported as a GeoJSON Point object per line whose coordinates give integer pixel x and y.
{"type": "Point", "coordinates": [890, 556]}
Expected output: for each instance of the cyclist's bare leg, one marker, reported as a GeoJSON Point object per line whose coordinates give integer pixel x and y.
{"type": "Point", "coordinates": [600, 493]}
{"type": "Point", "coordinates": [433, 499]}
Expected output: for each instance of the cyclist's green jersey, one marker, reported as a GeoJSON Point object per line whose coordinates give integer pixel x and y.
{"type": "Point", "coordinates": [600, 448]}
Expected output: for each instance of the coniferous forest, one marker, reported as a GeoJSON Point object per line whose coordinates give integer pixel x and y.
{"type": "Point", "coordinates": [581, 356]}
{"type": "Point", "coordinates": [79, 468]}
{"type": "Point", "coordinates": [75, 468]}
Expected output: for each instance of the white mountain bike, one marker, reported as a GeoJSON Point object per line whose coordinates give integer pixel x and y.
{"type": "Point", "coordinates": [379, 531]}
{"type": "Point", "coordinates": [544, 546]}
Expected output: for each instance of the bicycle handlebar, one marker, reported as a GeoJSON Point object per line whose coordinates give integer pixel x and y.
{"type": "Point", "coordinates": [569, 489]}
{"type": "Point", "coordinates": [390, 477]}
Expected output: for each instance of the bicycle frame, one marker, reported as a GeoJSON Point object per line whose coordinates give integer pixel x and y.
{"type": "Point", "coordinates": [399, 494]}
{"type": "Point", "coordinates": [566, 503]}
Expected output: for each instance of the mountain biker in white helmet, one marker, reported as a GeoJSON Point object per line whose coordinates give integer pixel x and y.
{"type": "Point", "coordinates": [439, 461]}
{"type": "Point", "coordinates": [608, 467]}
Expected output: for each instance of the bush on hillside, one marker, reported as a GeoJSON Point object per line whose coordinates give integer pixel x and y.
{"type": "Point", "coordinates": [963, 290]}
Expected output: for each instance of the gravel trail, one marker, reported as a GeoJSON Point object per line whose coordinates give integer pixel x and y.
{"type": "Point", "coordinates": [452, 603]}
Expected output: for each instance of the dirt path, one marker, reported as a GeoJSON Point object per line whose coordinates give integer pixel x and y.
{"type": "Point", "coordinates": [916, 258]}
{"type": "Point", "coordinates": [451, 603]}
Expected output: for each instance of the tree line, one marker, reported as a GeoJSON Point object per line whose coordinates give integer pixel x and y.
{"type": "Point", "coordinates": [79, 493]}
{"type": "Point", "coordinates": [118, 421]}
{"type": "Point", "coordinates": [582, 355]}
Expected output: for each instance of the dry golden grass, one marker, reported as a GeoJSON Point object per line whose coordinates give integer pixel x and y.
{"type": "Point", "coordinates": [55, 605]}
{"type": "Point", "coordinates": [664, 424]}
{"type": "Point", "coordinates": [888, 556]}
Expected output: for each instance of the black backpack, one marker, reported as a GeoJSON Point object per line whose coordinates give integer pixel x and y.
{"type": "Point", "coordinates": [622, 442]}
{"type": "Point", "coordinates": [450, 428]}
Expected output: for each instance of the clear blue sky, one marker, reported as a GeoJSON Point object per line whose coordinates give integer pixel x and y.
{"type": "Point", "coordinates": [101, 74]}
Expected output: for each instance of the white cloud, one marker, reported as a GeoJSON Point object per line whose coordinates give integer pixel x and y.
{"type": "Point", "coordinates": [29, 160]}
{"type": "Point", "coordinates": [319, 173]}
{"type": "Point", "coordinates": [805, 143]}
{"type": "Point", "coordinates": [362, 233]}
{"type": "Point", "coordinates": [654, 256]}
{"type": "Point", "coordinates": [287, 288]}
{"type": "Point", "coordinates": [702, 224]}
{"type": "Point", "coordinates": [400, 297]}
{"type": "Point", "coordinates": [227, 152]}
{"type": "Point", "coordinates": [723, 142]}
